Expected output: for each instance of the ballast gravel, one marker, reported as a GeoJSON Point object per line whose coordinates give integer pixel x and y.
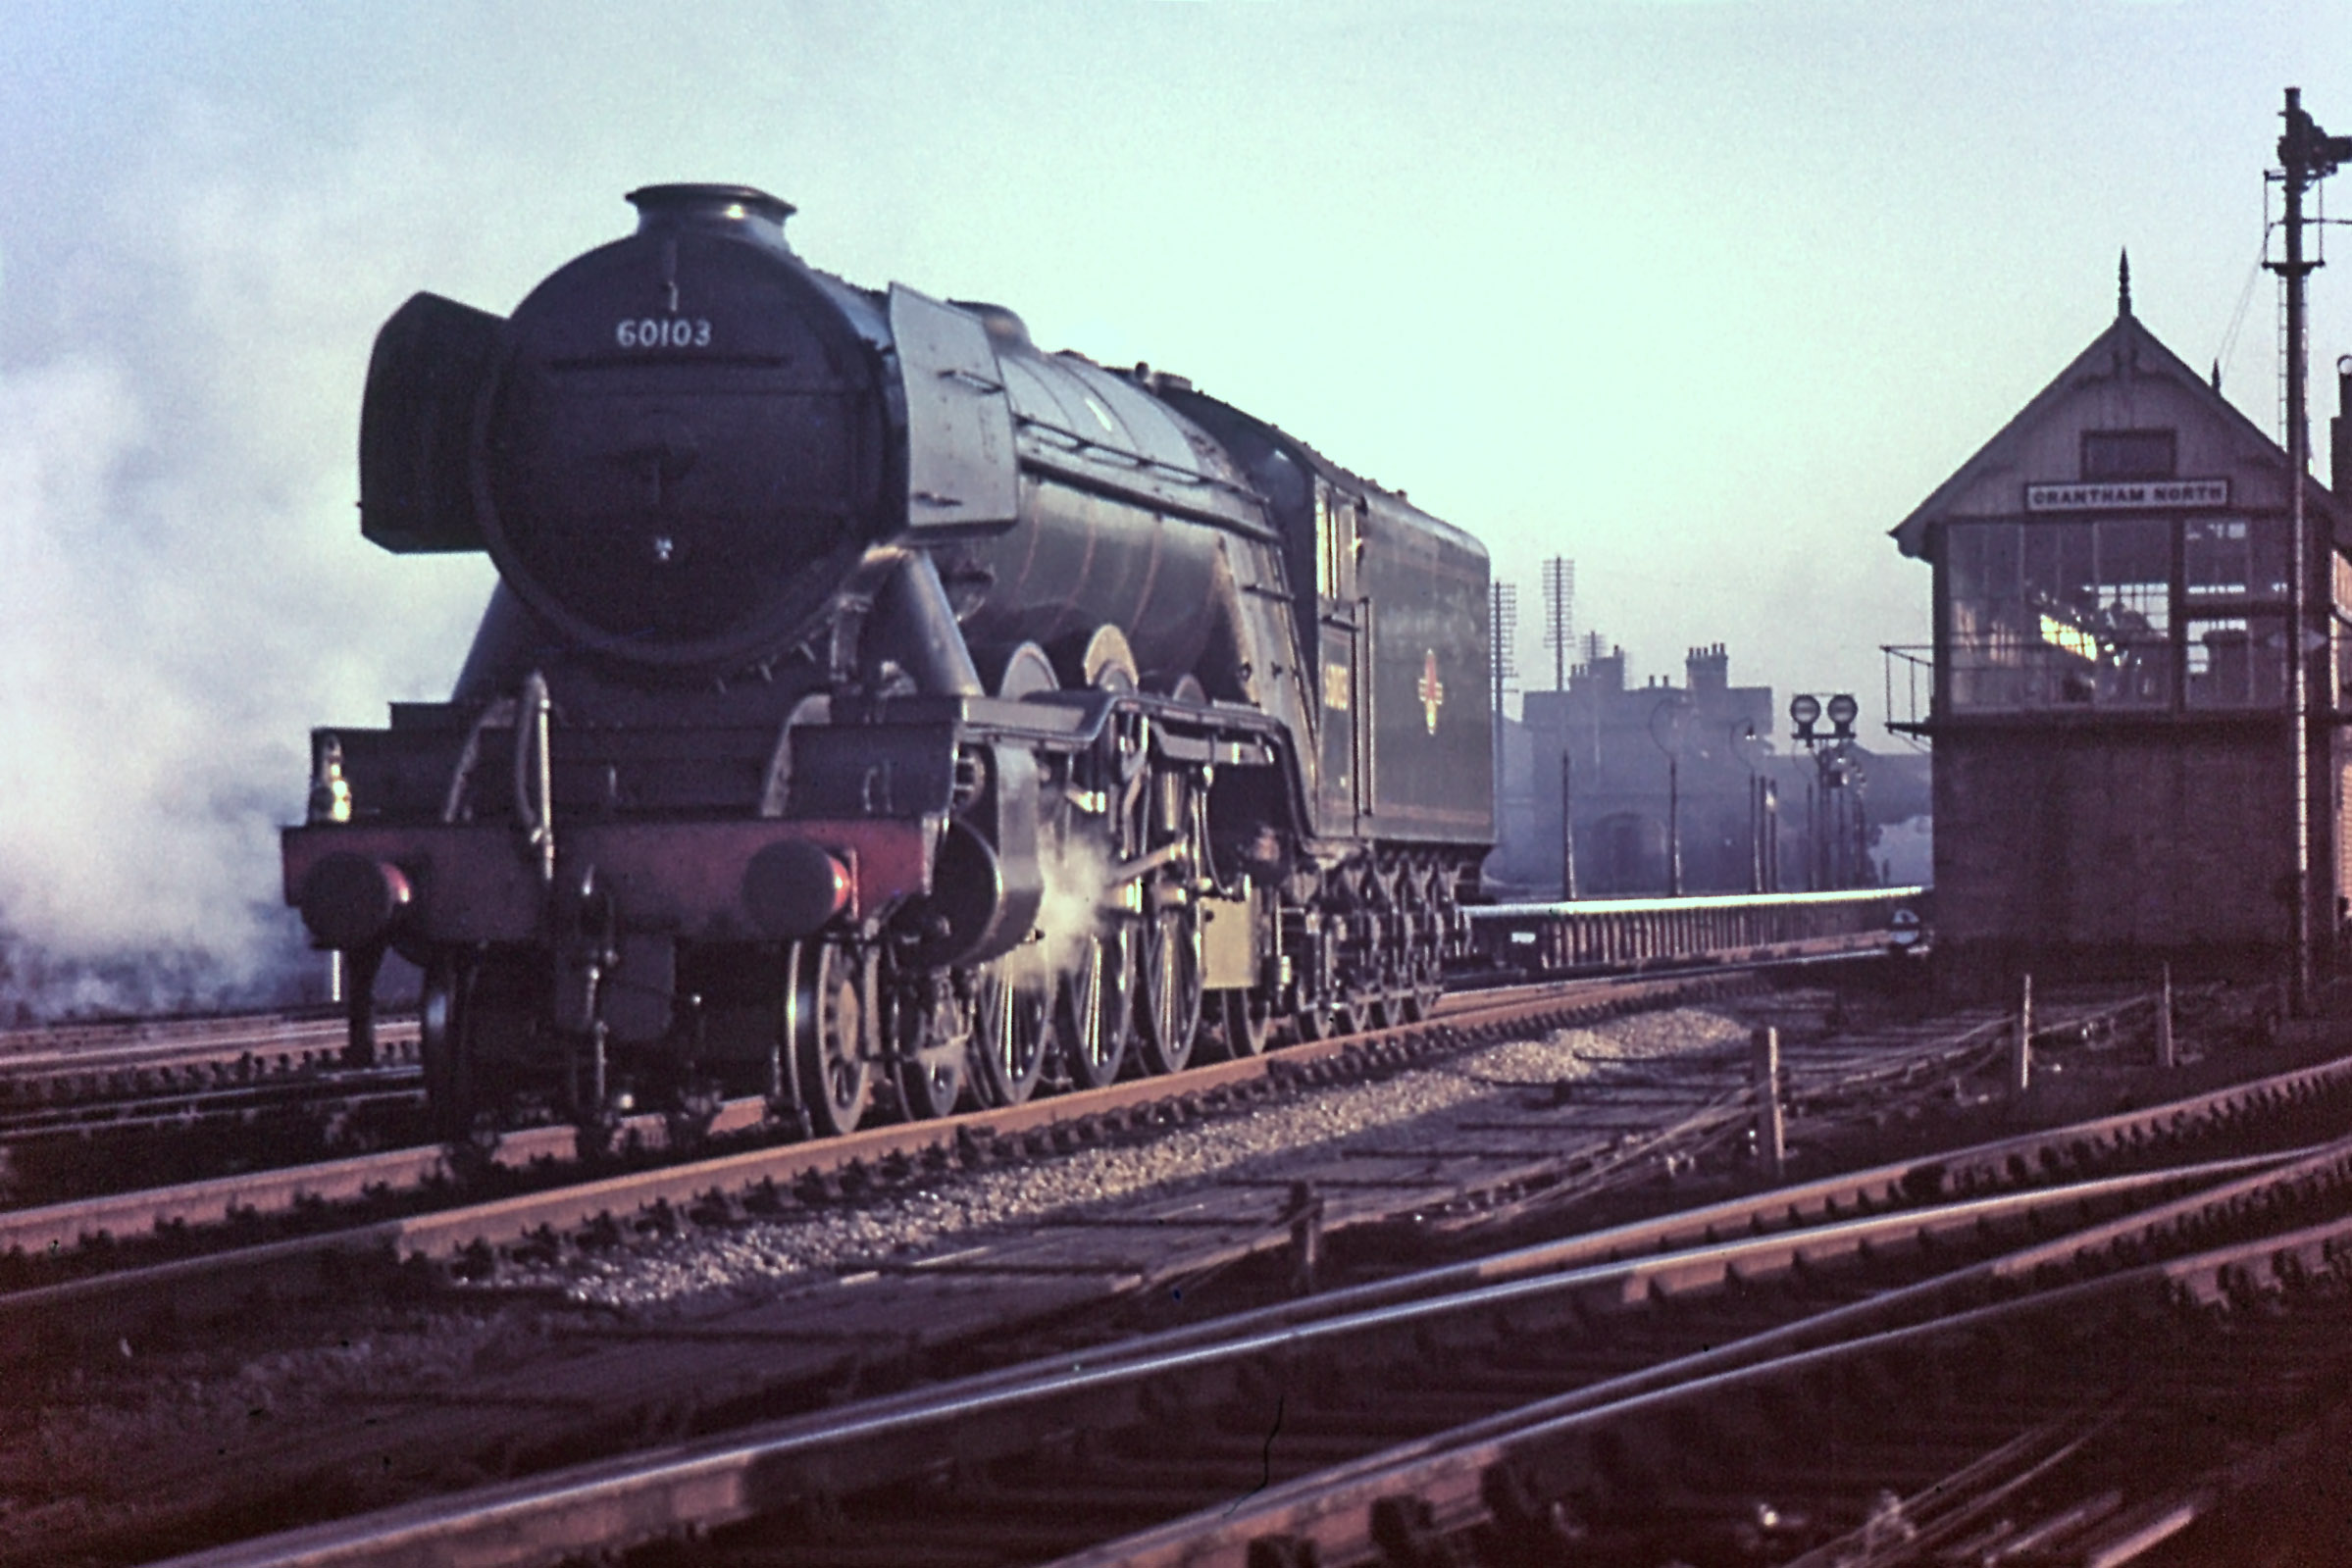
{"type": "Point", "coordinates": [958, 1209]}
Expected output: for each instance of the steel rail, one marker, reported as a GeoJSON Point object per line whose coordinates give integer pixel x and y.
{"type": "Point", "coordinates": [157, 1107]}
{"type": "Point", "coordinates": [1856, 897]}
{"type": "Point", "coordinates": [53, 1228]}
{"type": "Point", "coordinates": [255, 1023]}
{"type": "Point", "coordinates": [608, 1505]}
{"type": "Point", "coordinates": [1955, 1501]}
{"type": "Point", "coordinates": [1331, 1508]}
{"type": "Point", "coordinates": [276, 1048]}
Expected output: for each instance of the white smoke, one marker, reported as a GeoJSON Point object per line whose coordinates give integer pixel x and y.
{"type": "Point", "coordinates": [1077, 869]}
{"type": "Point", "coordinates": [183, 592]}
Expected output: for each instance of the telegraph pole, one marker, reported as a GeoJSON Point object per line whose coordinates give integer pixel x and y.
{"type": "Point", "coordinates": [1673, 826]}
{"type": "Point", "coordinates": [1560, 636]}
{"type": "Point", "coordinates": [1567, 815]}
{"type": "Point", "coordinates": [1560, 610]}
{"type": "Point", "coordinates": [2306, 156]}
{"type": "Point", "coordinates": [1505, 630]}
{"type": "Point", "coordinates": [1675, 710]}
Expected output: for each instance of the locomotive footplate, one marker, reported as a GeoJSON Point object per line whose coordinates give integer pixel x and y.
{"type": "Point", "coordinates": [727, 880]}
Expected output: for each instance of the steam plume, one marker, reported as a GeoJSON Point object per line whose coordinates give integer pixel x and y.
{"type": "Point", "coordinates": [183, 589]}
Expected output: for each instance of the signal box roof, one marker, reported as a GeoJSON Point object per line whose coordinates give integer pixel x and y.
{"type": "Point", "coordinates": [2125, 381]}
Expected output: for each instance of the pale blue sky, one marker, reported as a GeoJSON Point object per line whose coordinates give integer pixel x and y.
{"type": "Point", "coordinates": [1705, 295]}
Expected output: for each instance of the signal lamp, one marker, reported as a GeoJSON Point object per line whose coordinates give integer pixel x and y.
{"type": "Point", "coordinates": [1805, 710]}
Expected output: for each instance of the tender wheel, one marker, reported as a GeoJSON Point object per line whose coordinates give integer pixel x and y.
{"type": "Point", "coordinates": [1249, 1023]}
{"type": "Point", "coordinates": [1426, 964]}
{"type": "Point", "coordinates": [1347, 1016]}
{"type": "Point", "coordinates": [824, 1019]}
{"type": "Point", "coordinates": [1428, 959]}
{"type": "Point", "coordinates": [1428, 982]}
{"type": "Point", "coordinates": [1011, 1029]}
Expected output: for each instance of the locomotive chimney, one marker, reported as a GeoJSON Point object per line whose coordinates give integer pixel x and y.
{"type": "Point", "coordinates": [738, 210]}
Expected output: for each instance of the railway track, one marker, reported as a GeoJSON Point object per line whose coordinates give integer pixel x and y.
{"type": "Point", "coordinates": [98, 1107]}
{"type": "Point", "coordinates": [165, 1107]}
{"type": "Point", "coordinates": [80, 1080]}
{"type": "Point", "coordinates": [2081, 1403]}
{"type": "Point", "coordinates": [112, 1237]}
{"type": "Point", "coordinates": [1081, 1279]}
{"type": "Point", "coordinates": [210, 1246]}
{"type": "Point", "coordinates": [94, 1109]}
{"type": "Point", "coordinates": [257, 1192]}
{"type": "Point", "coordinates": [1611, 1393]}
{"type": "Point", "coordinates": [82, 1105]}
{"type": "Point", "coordinates": [58, 1064]}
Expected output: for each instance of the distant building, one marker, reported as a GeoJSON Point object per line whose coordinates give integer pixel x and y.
{"type": "Point", "coordinates": [1657, 767]}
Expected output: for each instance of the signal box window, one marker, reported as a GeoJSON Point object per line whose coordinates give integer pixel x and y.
{"type": "Point", "coordinates": [2060, 615]}
{"type": "Point", "coordinates": [2237, 662]}
{"type": "Point", "coordinates": [2232, 558]}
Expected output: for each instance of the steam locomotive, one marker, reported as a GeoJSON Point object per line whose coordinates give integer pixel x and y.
{"type": "Point", "coordinates": [875, 711]}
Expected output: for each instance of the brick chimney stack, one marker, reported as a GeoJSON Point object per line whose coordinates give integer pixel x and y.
{"type": "Point", "coordinates": [1707, 669]}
